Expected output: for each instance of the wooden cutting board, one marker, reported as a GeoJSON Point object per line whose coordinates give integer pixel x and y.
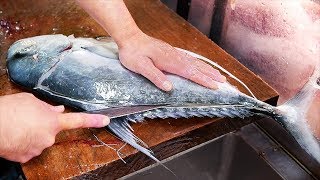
{"type": "Point", "coordinates": [77, 152]}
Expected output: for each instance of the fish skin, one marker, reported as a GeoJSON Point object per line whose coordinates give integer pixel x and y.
{"type": "Point", "coordinates": [86, 74]}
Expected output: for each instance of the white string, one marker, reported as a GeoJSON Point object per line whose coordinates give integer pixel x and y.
{"type": "Point", "coordinates": [120, 154]}
{"type": "Point", "coordinates": [217, 66]}
{"type": "Point", "coordinates": [117, 151]}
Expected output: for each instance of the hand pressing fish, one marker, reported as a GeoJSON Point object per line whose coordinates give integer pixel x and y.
{"type": "Point", "coordinates": [86, 74]}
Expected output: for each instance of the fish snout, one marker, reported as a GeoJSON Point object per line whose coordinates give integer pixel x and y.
{"type": "Point", "coordinates": [21, 49]}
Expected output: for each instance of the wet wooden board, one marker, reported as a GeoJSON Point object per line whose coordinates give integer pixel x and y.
{"type": "Point", "coordinates": [77, 152]}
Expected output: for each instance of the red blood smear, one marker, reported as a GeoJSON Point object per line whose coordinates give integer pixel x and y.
{"type": "Point", "coordinates": [9, 27]}
{"type": "Point", "coordinates": [262, 21]}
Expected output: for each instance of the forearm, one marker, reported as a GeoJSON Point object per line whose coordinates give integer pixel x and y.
{"type": "Point", "coordinates": [113, 16]}
{"type": "Point", "coordinates": [5, 127]}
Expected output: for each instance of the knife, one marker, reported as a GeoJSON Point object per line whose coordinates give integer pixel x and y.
{"type": "Point", "coordinates": [115, 112]}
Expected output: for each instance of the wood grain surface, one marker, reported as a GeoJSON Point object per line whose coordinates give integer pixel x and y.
{"type": "Point", "coordinates": [76, 153]}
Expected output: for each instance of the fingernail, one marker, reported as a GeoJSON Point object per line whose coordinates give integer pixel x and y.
{"type": "Point", "coordinates": [167, 85]}
{"type": "Point", "coordinates": [214, 86]}
{"type": "Point", "coordinates": [210, 83]}
{"type": "Point", "coordinates": [223, 78]}
{"type": "Point", "coordinates": [98, 120]}
{"type": "Point", "coordinates": [105, 121]}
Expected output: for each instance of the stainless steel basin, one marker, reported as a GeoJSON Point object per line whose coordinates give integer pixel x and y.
{"type": "Point", "coordinates": [246, 154]}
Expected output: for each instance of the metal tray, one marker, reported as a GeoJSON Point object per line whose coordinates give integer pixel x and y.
{"type": "Point", "coordinates": [246, 154]}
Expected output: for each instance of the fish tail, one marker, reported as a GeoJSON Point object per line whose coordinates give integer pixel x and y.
{"type": "Point", "coordinates": [294, 112]}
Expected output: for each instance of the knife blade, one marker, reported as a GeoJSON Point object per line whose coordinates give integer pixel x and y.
{"type": "Point", "coordinates": [115, 112]}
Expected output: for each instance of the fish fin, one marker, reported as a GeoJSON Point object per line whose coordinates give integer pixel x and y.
{"type": "Point", "coordinates": [119, 126]}
{"type": "Point", "coordinates": [105, 48]}
{"type": "Point", "coordinates": [217, 66]}
{"type": "Point", "coordinates": [294, 113]}
{"type": "Point", "coordinates": [295, 123]}
{"type": "Point", "coordinates": [102, 51]}
{"type": "Point", "coordinates": [201, 111]}
{"type": "Point", "coordinates": [104, 39]}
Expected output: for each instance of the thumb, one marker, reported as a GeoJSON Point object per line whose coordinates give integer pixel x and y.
{"type": "Point", "coordinates": [81, 120]}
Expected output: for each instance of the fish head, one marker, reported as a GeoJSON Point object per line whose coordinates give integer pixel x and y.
{"type": "Point", "coordinates": [28, 59]}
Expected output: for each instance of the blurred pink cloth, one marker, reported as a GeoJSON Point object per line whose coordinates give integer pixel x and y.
{"type": "Point", "coordinates": [280, 41]}
{"type": "Point", "coordinates": [200, 14]}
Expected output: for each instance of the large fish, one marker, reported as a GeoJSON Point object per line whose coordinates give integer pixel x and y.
{"type": "Point", "coordinates": [86, 74]}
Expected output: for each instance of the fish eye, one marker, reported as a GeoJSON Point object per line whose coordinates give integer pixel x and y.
{"type": "Point", "coordinates": [25, 51]}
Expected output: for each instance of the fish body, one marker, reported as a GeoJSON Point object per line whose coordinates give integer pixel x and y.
{"type": "Point", "coordinates": [86, 74]}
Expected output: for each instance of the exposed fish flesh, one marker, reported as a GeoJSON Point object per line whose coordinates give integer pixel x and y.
{"type": "Point", "coordinates": [86, 74]}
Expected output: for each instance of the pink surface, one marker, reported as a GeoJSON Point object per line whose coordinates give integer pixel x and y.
{"type": "Point", "coordinates": [279, 40]}
{"type": "Point", "coordinates": [200, 14]}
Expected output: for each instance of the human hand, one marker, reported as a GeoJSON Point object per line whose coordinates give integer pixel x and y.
{"type": "Point", "coordinates": [146, 55]}
{"type": "Point", "coordinates": [149, 56]}
{"type": "Point", "coordinates": [29, 125]}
